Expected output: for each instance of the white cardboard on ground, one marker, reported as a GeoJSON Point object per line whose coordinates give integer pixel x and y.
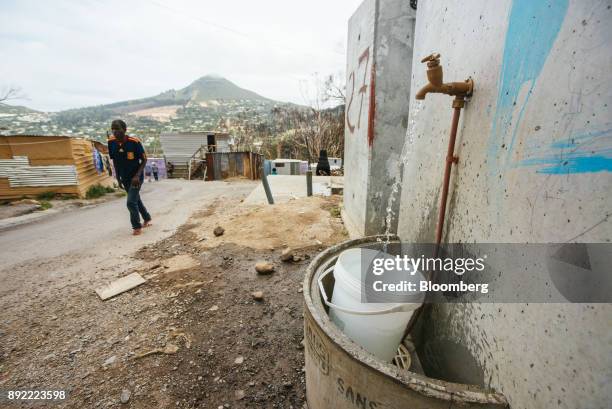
{"type": "Point", "coordinates": [119, 286]}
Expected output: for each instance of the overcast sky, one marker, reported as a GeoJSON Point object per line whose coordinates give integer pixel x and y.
{"type": "Point", "coordinates": [73, 53]}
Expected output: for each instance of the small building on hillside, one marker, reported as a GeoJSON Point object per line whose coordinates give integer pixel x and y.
{"type": "Point", "coordinates": [335, 163]}
{"type": "Point", "coordinates": [281, 166]}
{"type": "Point", "coordinates": [181, 147]}
{"type": "Point", "coordinates": [32, 164]}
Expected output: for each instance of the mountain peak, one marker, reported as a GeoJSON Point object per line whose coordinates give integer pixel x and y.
{"type": "Point", "coordinates": [211, 76]}
{"type": "Point", "coordinates": [212, 87]}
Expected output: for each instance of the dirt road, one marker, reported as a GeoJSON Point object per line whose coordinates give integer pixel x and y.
{"type": "Point", "coordinates": [97, 232]}
{"type": "Point", "coordinates": [193, 336]}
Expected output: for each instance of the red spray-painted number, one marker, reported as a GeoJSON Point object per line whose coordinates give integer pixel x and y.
{"type": "Point", "coordinates": [365, 56]}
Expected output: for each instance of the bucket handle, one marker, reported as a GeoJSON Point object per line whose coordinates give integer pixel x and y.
{"type": "Point", "coordinates": [398, 308]}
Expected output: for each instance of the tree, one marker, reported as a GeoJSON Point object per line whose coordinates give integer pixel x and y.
{"type": "Point", "coordinates": [319, 127]}
{"type": "Point", "coordinates": [9, 93]}
{"type": "Point", "coordinates": [333, 89]}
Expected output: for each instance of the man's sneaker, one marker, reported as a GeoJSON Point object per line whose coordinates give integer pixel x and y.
{"type": "Point", "coordinates": [137, 232]}
{"type": "Point", "coordinates": [147, 223]}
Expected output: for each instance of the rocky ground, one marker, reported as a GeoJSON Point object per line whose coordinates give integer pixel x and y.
{"type": "Point", "coordinates": [205, 330]}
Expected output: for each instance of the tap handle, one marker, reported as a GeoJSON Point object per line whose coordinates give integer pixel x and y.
{"type": "Point", "coordinates": [435, 58]}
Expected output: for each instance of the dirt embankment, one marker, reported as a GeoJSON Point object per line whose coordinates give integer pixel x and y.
{"type": "Point", "coordinates": [304, 222]}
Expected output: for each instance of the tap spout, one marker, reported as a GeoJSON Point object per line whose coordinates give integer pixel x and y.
{"type": "Point", "coordinates": [457, 89]}
{"type": "Point", "coordinates": [424, 91]}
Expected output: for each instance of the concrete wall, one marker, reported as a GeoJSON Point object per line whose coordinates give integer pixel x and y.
{"type": "Point", "coordinates": [535, 156]}
{"type": "Point", "coordinates": [379, 59]}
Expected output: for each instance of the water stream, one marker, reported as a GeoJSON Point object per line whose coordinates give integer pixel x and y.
{"type": "Point", "coordinates": [407, 150]}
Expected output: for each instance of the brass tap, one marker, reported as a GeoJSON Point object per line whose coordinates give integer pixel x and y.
{"type": "Point", "coordinates": [436, 84]}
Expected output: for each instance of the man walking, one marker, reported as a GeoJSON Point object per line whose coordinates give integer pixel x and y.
{"type": "Point", "coordinates": [129, 158]}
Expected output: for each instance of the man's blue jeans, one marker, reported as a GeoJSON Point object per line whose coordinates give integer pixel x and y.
{"type": "Point", "coordinates": [135, 206]}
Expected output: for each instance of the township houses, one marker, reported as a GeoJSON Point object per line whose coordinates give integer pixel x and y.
{"type": "Point", "coordinates": [33, 164]}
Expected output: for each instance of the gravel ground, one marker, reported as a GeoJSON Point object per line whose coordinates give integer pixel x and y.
{"type": "Point", "coordinates": [192, 336]}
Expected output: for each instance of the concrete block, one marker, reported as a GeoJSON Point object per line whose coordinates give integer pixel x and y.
{"type": "Point", "coordinates": [379, 60]}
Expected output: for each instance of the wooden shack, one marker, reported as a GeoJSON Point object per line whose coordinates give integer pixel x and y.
{"type": "Point", "coordinates": [32, 164]}
{"type": "Point", "coordinates": [224, 165]}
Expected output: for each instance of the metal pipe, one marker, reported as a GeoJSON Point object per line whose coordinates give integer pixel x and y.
{"type": "Point", "coordinates": [450, 159]}
{"type": "Point", "coordinates": [460, 90]}
{"type": "Point", "coordinates": [266, 185]}
{"type": "Point", "coordinates": [309, 183]}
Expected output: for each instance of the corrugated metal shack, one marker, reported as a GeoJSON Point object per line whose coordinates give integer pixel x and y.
{"type": "Point", "coordinates": [32, 164]}
{"type": "Point", "coordinates": [223, 165]}
{"type": "Point", "coordinates": [180, 147]}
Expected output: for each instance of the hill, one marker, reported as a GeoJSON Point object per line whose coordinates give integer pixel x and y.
{"type": "Point", "coordinates": [208, 103]}
{"type": "Point", "coordinates": [16, 109]}
{"type": "Point", "coordinates": [212, 87]}
{"type": "Point", "coordinates": [202, 90]}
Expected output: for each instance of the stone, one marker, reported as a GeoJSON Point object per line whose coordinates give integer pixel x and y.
{"type": "Point", "coordinates": [218, 231]}
{"type": "Point", "coordinates": [239, 394]}
{"type": "Point", "coordinates": [258, 295]}
{"type": "Point", "coordinates": [297, 258]}
{"type": "Point", "coordinates": [213, 308]}
{"type": "Point", "coordinates": [263, 267]}
{"type": "Point", "coordinates": [110, 361]}
{"type": "Point", "coordinates": [287, 255]}
{"type": "Point", "coordinates": [125, 396]}
{"type": "Point", "coordinates": [239, 360]}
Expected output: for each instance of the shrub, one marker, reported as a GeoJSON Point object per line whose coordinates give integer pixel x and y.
{"type": "Point", "coordinates": [68, 197]}
{"type": "Point", "coordinates": [98, 190]}
{"type": "Point", "coordinates": [46, 196]}
{"type": "Point", "coordinates": [335, 211]}
{"type": "Point", "coordinates": [45, 204]}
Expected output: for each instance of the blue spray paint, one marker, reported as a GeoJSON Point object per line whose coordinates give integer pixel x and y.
{"type": "Point", "coordinates": [532, 29]}
{"type": "Point", "coordinates": [574, 163]}
{"type": "Point", "coordinates": [587, 152]}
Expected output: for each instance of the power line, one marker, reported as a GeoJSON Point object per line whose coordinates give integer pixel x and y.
{"type": "Point", "coordinates": [230, 29]}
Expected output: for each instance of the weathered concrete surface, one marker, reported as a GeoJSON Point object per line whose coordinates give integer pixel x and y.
{"type": "Point", "coordinates": [534, 147]}
{"type": "Point", "coordinates": [356, 150]}
{"type": "Point", "coordinates": [379, 59]}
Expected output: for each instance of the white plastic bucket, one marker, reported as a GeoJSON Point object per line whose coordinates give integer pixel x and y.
{"type": "Point", "coordinates": [377, 327]}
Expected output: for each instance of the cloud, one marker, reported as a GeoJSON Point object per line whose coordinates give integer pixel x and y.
{"type": "Point", "coordinates": [67, 54]}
